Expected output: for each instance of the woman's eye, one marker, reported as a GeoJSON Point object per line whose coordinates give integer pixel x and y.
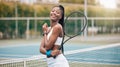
{"type": "Point", "coordinates": [52, 11]}
{"type": "Point", "coordinates": [58, 13]}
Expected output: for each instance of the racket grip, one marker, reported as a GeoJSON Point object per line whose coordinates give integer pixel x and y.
{"type": "Point", "coordinates": [54, 57]}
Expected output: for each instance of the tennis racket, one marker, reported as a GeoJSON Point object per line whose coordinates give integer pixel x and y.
{"type": "Point", "coordinates": [75, 23]}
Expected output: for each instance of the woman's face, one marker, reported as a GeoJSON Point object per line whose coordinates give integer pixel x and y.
{"type": "Point", "coordinates": [55, 14]}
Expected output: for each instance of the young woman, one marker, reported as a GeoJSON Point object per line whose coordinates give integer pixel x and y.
{"type": "Point", "coordinates": [52, 39]}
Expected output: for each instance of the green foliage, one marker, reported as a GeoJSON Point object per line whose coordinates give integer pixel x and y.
{"type": "Point", "coordinates": [72, 1]}
{"type": "Point", "coordinates": [8, 10]}
{"type": "Point", "coordinates": [91, 2]}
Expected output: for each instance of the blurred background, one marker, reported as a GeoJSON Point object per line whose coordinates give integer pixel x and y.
{"type": "Point", "coordinates": [22, 19]}
{"type": "Point", "coordinates": [21, 32]}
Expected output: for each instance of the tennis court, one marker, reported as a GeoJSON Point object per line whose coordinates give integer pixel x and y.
{"type": "Point", "coordinates": [78, 55]}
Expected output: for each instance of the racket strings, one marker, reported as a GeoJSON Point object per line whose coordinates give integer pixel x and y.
{"type": "Point", "coordinates": [74, 24]}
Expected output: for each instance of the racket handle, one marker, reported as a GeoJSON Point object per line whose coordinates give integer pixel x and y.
{"type": "Point", "coordinates": [54, 57]}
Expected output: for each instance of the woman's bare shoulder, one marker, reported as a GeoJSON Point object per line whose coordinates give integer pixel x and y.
{"type": "Point", "coordinates": [57, 27]}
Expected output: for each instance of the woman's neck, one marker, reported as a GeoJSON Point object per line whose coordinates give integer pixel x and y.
{"type": "Point", "coordinates": [53, 23]}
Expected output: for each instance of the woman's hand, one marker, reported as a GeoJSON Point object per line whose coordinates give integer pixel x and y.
{"type": "Point", "coordinates": [45, 28]}
{"type": "Point", "coordinates": [55, 52]}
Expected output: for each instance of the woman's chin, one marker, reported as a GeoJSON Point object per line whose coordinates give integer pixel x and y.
{"type": "Point", "coordinates": [53, 19]}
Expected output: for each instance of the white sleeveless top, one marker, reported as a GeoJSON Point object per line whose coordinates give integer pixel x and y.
{"type": "Point", "coordinates": [59, 39]}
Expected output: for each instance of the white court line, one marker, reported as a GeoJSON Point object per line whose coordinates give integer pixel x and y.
{"type": "Point", "coordinates": [91, 49]}
{"type": "Point", "coordinates": [83, 62]}
{"type": "Point", "coordinates": [91, 59]}
{"type": "Point", "coordinates": [72, 51]}
{"type": "Point", "coordinates": [14, 55]}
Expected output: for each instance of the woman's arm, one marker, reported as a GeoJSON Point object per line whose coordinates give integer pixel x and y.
{"type": "Point", "coordinates": [54, 52]}
{"type": "Point", "coordinates": [48, 45]}
{"type": "Point", "coordinates": [42, 47]}
{"type": "Point", "coordinates": [55, 34]}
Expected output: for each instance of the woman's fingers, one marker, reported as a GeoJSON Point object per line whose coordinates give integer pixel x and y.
{"type": "Point", "coordinates": [55, 52]}
{"type": "Point", "coordinates": [45, 27]}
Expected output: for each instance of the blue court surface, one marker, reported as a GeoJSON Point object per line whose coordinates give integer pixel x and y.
{"type": "Point", "coordinates": [79, 52]}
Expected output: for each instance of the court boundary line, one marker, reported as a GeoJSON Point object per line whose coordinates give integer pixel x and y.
{"type": "Point", "coordinates": [91, 48]}
{"type": "Point", "coordinates": [92, 63]}
{"type": "Point", "coordinates": [105, 61]}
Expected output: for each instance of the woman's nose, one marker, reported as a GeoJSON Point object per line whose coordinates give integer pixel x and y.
{"type": "Point", "coordinates": [54, 12]}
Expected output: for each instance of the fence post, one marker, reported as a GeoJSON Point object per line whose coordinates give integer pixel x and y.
{"type": "Point", "coordinates": [35, 34]}
{"type": "Point", "coordinates": [92, 20]}
{"type": "Point", "coordinates": [27, 31]}
{"type": "Point", "coordinates": [85, 13]}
